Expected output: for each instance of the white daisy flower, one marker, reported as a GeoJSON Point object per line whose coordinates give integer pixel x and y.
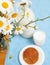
{"type": "Point", "coordinates": [8, 29]}
{"type": "Point", "coordinates": [3, 23]}
{"type": "Point", "coordinates": [14, 16]}
{"type": "Point", "coordinates": [29, 16]}
{"type": "Point", "coordinates": [19, 30]}
{"type": "Point", "coordinates": [5, 6]}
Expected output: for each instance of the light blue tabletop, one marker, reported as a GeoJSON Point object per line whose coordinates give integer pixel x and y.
{"type": "Point", "coordinates": [41, 9]}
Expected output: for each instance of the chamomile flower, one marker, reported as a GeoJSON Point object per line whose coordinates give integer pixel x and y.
{"type": "Point", "coordinates": [14, 16]}
{"type": "Point", "coordinates": [5, 6]}
{"type": "Point", "coordinates": [19, 30]}
{"type": "Point", "coordinates": [8, 29]}
{"type": "Point", "coordinates": [29, 16]}
{"type": "Point", "coordinates": [2, 23]}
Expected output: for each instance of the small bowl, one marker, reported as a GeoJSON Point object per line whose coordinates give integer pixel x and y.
{"type": "Point", "coordinates": [40, 59]}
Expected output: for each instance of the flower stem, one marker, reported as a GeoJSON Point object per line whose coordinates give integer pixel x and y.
{"type": "Point", "coordinates": [22, 15]}
{"type": "Point", "coordinates": [41, 19]}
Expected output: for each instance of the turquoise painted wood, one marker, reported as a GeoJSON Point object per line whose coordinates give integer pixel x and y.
{"type": "Point", "coordinates": [41, 9]}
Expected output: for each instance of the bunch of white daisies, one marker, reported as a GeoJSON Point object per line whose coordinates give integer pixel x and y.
{"type": "Point", "coordinates": [15, 17]}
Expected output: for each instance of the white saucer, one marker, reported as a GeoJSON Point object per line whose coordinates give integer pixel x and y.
{"type": "Point", "coordinates": [41, 55]}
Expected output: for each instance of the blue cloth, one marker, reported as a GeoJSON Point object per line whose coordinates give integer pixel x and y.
{"type": "Point", "coordinates": [41, 9]}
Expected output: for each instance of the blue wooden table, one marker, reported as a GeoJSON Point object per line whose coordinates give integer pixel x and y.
{"type": "Point", "coordinates": [41, 9]}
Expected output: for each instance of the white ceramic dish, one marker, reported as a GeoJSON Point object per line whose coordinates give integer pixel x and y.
{"type": "Point", "coordinates": [41, 55]}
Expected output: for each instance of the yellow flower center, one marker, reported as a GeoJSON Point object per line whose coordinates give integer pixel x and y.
{"type": "Point", "coordinates": [1, 23]}
{"type": "Point", "coordinates": [27, 14]}
{"type": "Point", "coordinates": [18, 28]}
{"type": "Point", "coordinates": [7, 27]}
{"type": "Point", "coordinates": [14, 15]}
{"type": "Point", "coordinates": [5, 5]}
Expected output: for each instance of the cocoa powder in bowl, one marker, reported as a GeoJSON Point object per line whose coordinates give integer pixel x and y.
{"type": "Point", "coordinates": [30, 55]}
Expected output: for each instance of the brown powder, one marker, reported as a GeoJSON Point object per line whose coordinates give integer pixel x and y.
{"type": "Point", "coordinates": [30, 55]}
